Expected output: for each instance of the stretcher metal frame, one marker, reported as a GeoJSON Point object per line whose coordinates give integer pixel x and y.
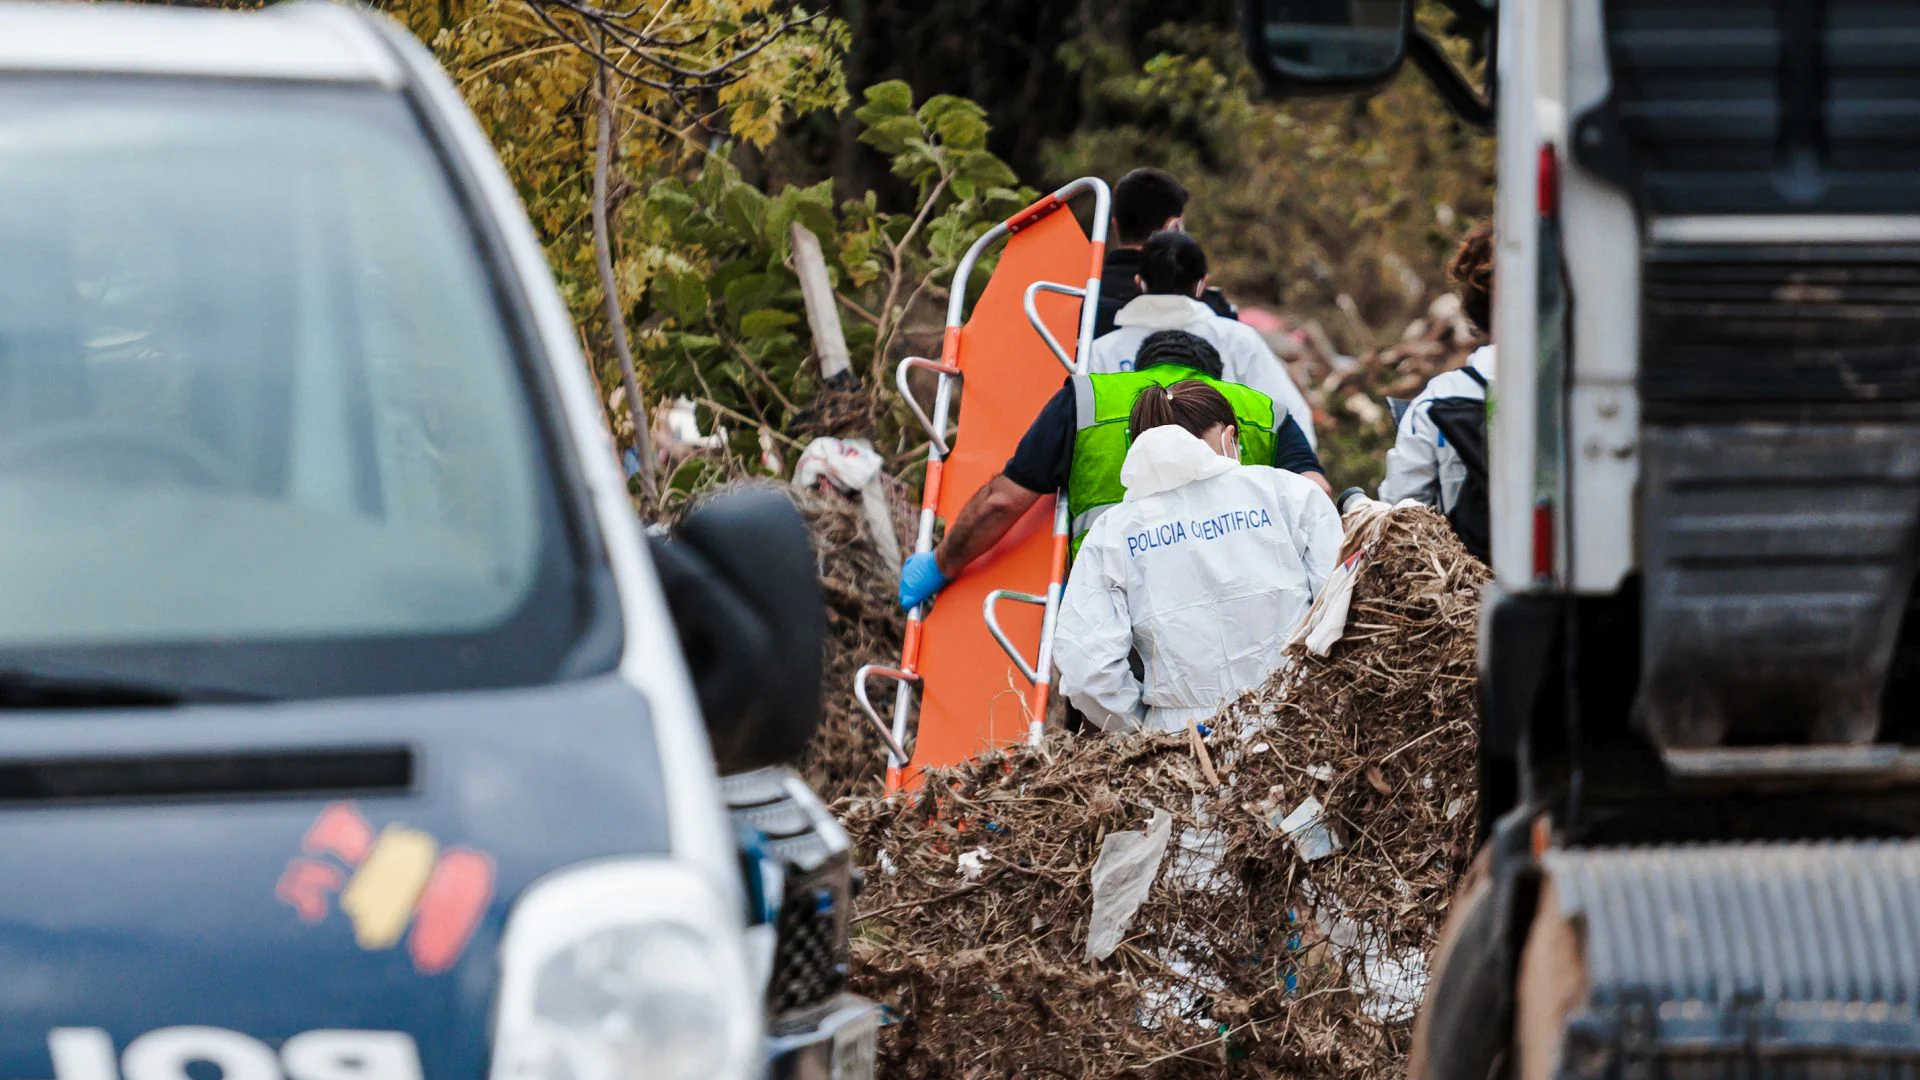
{"type": "Point", "coordinates": [951, 378]}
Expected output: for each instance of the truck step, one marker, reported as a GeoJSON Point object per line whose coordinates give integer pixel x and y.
{"type": "Point", "coordinates": [1752, 959]}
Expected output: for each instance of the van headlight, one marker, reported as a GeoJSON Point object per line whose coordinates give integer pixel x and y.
{"type": "Point", "coordinates": [623, 970]}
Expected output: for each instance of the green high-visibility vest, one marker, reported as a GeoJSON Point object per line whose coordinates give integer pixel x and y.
{"type": "Point", "coordinates": [1102, 404]}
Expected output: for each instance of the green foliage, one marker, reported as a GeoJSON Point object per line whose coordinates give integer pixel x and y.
{"type": "Point", "coordinates": [1337, 210]}
{"type": "Point", "coordinates": [701, 255]}
{"type": "Point", "coordinates": [1340, 212]}
{"type": "Point", "coordinates": [724, 318]}
{"type": "Point", "coordinates": [530, 82]}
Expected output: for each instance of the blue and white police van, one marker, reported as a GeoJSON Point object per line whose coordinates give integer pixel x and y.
{"type": "Point", "coordinates": [351, 728]}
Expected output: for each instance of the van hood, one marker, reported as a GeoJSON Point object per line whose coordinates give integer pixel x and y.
{"type": "Point", "coordinates": [345, 865]}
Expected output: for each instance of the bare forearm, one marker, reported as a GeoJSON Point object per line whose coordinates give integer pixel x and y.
{"type": "Point", "coordinates": [987, 517]}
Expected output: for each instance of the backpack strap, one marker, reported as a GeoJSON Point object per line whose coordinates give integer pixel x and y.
{"type": "Point", "coordinates": [1474, 374]}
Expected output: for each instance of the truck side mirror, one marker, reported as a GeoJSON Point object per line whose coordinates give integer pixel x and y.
{"type": "Point", "coordinates": [740, 579]}
{"type": "Point", "coordinates": [1326, 46]}
{"type": "Point", "coordinates": [1303, 47]}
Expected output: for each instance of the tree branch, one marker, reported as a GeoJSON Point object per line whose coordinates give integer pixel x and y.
{"type": "Point", "coordinates": [848, 303]}
{"type": "Point", "coordinates": [593, 50]}
{"type": "Point", "coordinates": [603, 26]}
{"type": "Point", "coordinates": [912, 297]}
{"type": "Point", "coordinates": [610, 289]}
{"type": "Point", "coordinates": [759, 373]}
{"type": "Point", "coordinates": [890, 321]}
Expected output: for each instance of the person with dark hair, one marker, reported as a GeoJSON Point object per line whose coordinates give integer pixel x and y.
{"type": "Point", "coordinates": [1173, 273]}
{"type": "Point", "coordinates": [1145, 201]}
{"type": "Point", "coordinates": [1439, 454]}
{"type": "Point", "coordinates": [1077, 444]}
{"type": "Point", "coordinates": [1203, 569]}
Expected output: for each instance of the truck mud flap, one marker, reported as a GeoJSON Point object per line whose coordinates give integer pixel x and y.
{"type": "Point", "coordinates": [1778, 558]}
{"type": "Point", "coordinates": [1780, 393]}
{"type": "Point", "coordinates": [1790, 960]}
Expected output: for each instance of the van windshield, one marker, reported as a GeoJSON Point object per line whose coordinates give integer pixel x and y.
{"type": "Point", "coordinates": [261, 423]}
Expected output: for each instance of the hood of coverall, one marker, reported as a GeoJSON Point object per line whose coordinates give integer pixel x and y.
{"type": "Point", "coordinates": [1168, 457]}
{"type": "Point", "coordinates": [1162, 311]}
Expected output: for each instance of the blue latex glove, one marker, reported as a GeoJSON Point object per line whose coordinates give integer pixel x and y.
{"type": "Point", "coordinates": [920, 578]}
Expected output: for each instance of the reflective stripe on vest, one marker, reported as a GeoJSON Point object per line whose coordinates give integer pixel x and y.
{"type": "Point", "coordinates": [1102, 404]}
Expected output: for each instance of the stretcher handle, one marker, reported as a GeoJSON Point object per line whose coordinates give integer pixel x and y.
{"type": "Point", "coordinates": [866, 706]}
{"type": "Point", "coordinates": [993, 627]}
{"type": "Point", "coordinates": [1033, 316]}
{"type": "Point", "coordinates": [937, 438]}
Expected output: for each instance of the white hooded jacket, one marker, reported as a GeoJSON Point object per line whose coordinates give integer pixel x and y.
{"type": "Point", "coordinates": [1244, 356]}
{"type": "Point", "coordinates": [1205, 568]}
{"type": "Point", "coordinates": [1421, 465]}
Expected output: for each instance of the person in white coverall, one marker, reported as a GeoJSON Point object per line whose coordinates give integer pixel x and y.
{"type": "Point", "coordinates": [1439, 454]}
{"type": "Point", "coordinates": [1173, 273]}
{"type": "Point", "coordinates": [1204, 568]}
{"type": "Point", "coordinates": [1422, 465]}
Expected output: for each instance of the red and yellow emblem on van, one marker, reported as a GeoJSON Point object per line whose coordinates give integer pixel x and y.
{"type": "Point", "coordinates": [387, 881]}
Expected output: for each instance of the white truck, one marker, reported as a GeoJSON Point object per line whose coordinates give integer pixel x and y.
{"type": "Point", "coordinates": [1698, 655]}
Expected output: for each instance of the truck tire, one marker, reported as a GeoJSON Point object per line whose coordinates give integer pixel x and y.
{"type": "Point", "coordinates": [1465, 1027]}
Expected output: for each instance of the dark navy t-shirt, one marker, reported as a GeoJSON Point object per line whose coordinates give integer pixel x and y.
{"type": "Point", "coordinates": [1044, 459]}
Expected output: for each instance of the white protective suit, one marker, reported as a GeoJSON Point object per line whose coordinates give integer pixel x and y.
{"type": "Point", "coordinates": [1205, 567]}
{"type": "Point", "coordinates": [1421, 465]}
{"type": "Point", "coordinates": [1244, 356]}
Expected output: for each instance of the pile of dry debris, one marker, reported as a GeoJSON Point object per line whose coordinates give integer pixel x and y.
{"type": "Point", "coordinates": [1135, 907]}
{"type": "Point", "coordinates": [864, 625]}
{"type": "Point", "coordinates": [1342, 387]}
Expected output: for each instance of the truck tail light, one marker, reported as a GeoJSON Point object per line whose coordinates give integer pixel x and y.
{"type": "Point", "coordinates": [1543, 540]}
{"type": "Point", "coordinates": [1547, 195]}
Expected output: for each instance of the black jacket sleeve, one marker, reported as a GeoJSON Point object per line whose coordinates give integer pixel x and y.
{"type": "Point", "coordinates": [1044, 458]}
{"type": "Point", "coordinates": [1291, 450]}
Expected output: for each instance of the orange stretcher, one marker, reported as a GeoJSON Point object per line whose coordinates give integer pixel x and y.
{"type": "Point", "coordinates": [968, 660]}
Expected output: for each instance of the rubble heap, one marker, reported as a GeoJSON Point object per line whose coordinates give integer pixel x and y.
{"type": "Point", "coordinates": [1295, 874]}
{"type": "Point", "coordinates": [864, 625]}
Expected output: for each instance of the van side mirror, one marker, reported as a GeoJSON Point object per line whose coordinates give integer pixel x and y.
{"type": "Point", "coordinates": [1302, 47]}
{"type": "Point", "coordinates": [741, 582]}
{"type": "Point", "coordinates": [1326, 46]}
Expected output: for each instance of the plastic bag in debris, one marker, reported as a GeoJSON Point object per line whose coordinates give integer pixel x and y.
{"type": "Point", "coordinates": [676, 424]}
{"type": "Point", "coordinates": [1196, 863]}
{"type": "Point", "coordinates": [853, 466]}
{"type": "Point", "coordinates": [850, 464]}
{"type": "Point", "coordinates": [1124, 871]}
{"type": "Point", "coordinates": [1326, 620]}
{"type": "Point", "coordinates": [1388, 984]}
{"type": "Point", "coordinates": [973, 863]}
{"type": "Point", "coordinates": [1195, 867]}
{"type": "Point", "coordinates": [1308, 829]}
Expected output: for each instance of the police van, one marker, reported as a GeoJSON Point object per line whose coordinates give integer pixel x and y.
{"type": "Point", "coordinates": [353, 728]}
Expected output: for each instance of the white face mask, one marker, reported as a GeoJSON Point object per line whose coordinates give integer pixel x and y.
{"type": "Point", "coordinates": [1230, 445]}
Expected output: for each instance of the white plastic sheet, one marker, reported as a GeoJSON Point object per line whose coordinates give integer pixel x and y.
{"type": "Point", "coordinates": [1126, 868]}
{"type": "Point", "coordinates": [853, 466]}
{"type": "Point", "coordinates": [1326, 621]}
{"type": "Point", "coordinates": [1197, 855]}
{"type": "Point", "coordinates": [972, 864]}
{"type": "Point", "coordinates": [1389, 984]}
{"type": "Point", "coordinates": [1308, 829]}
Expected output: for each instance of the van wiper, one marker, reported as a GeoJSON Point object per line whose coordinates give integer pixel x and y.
{"type": "Point", "coordinates": [26, 689]}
